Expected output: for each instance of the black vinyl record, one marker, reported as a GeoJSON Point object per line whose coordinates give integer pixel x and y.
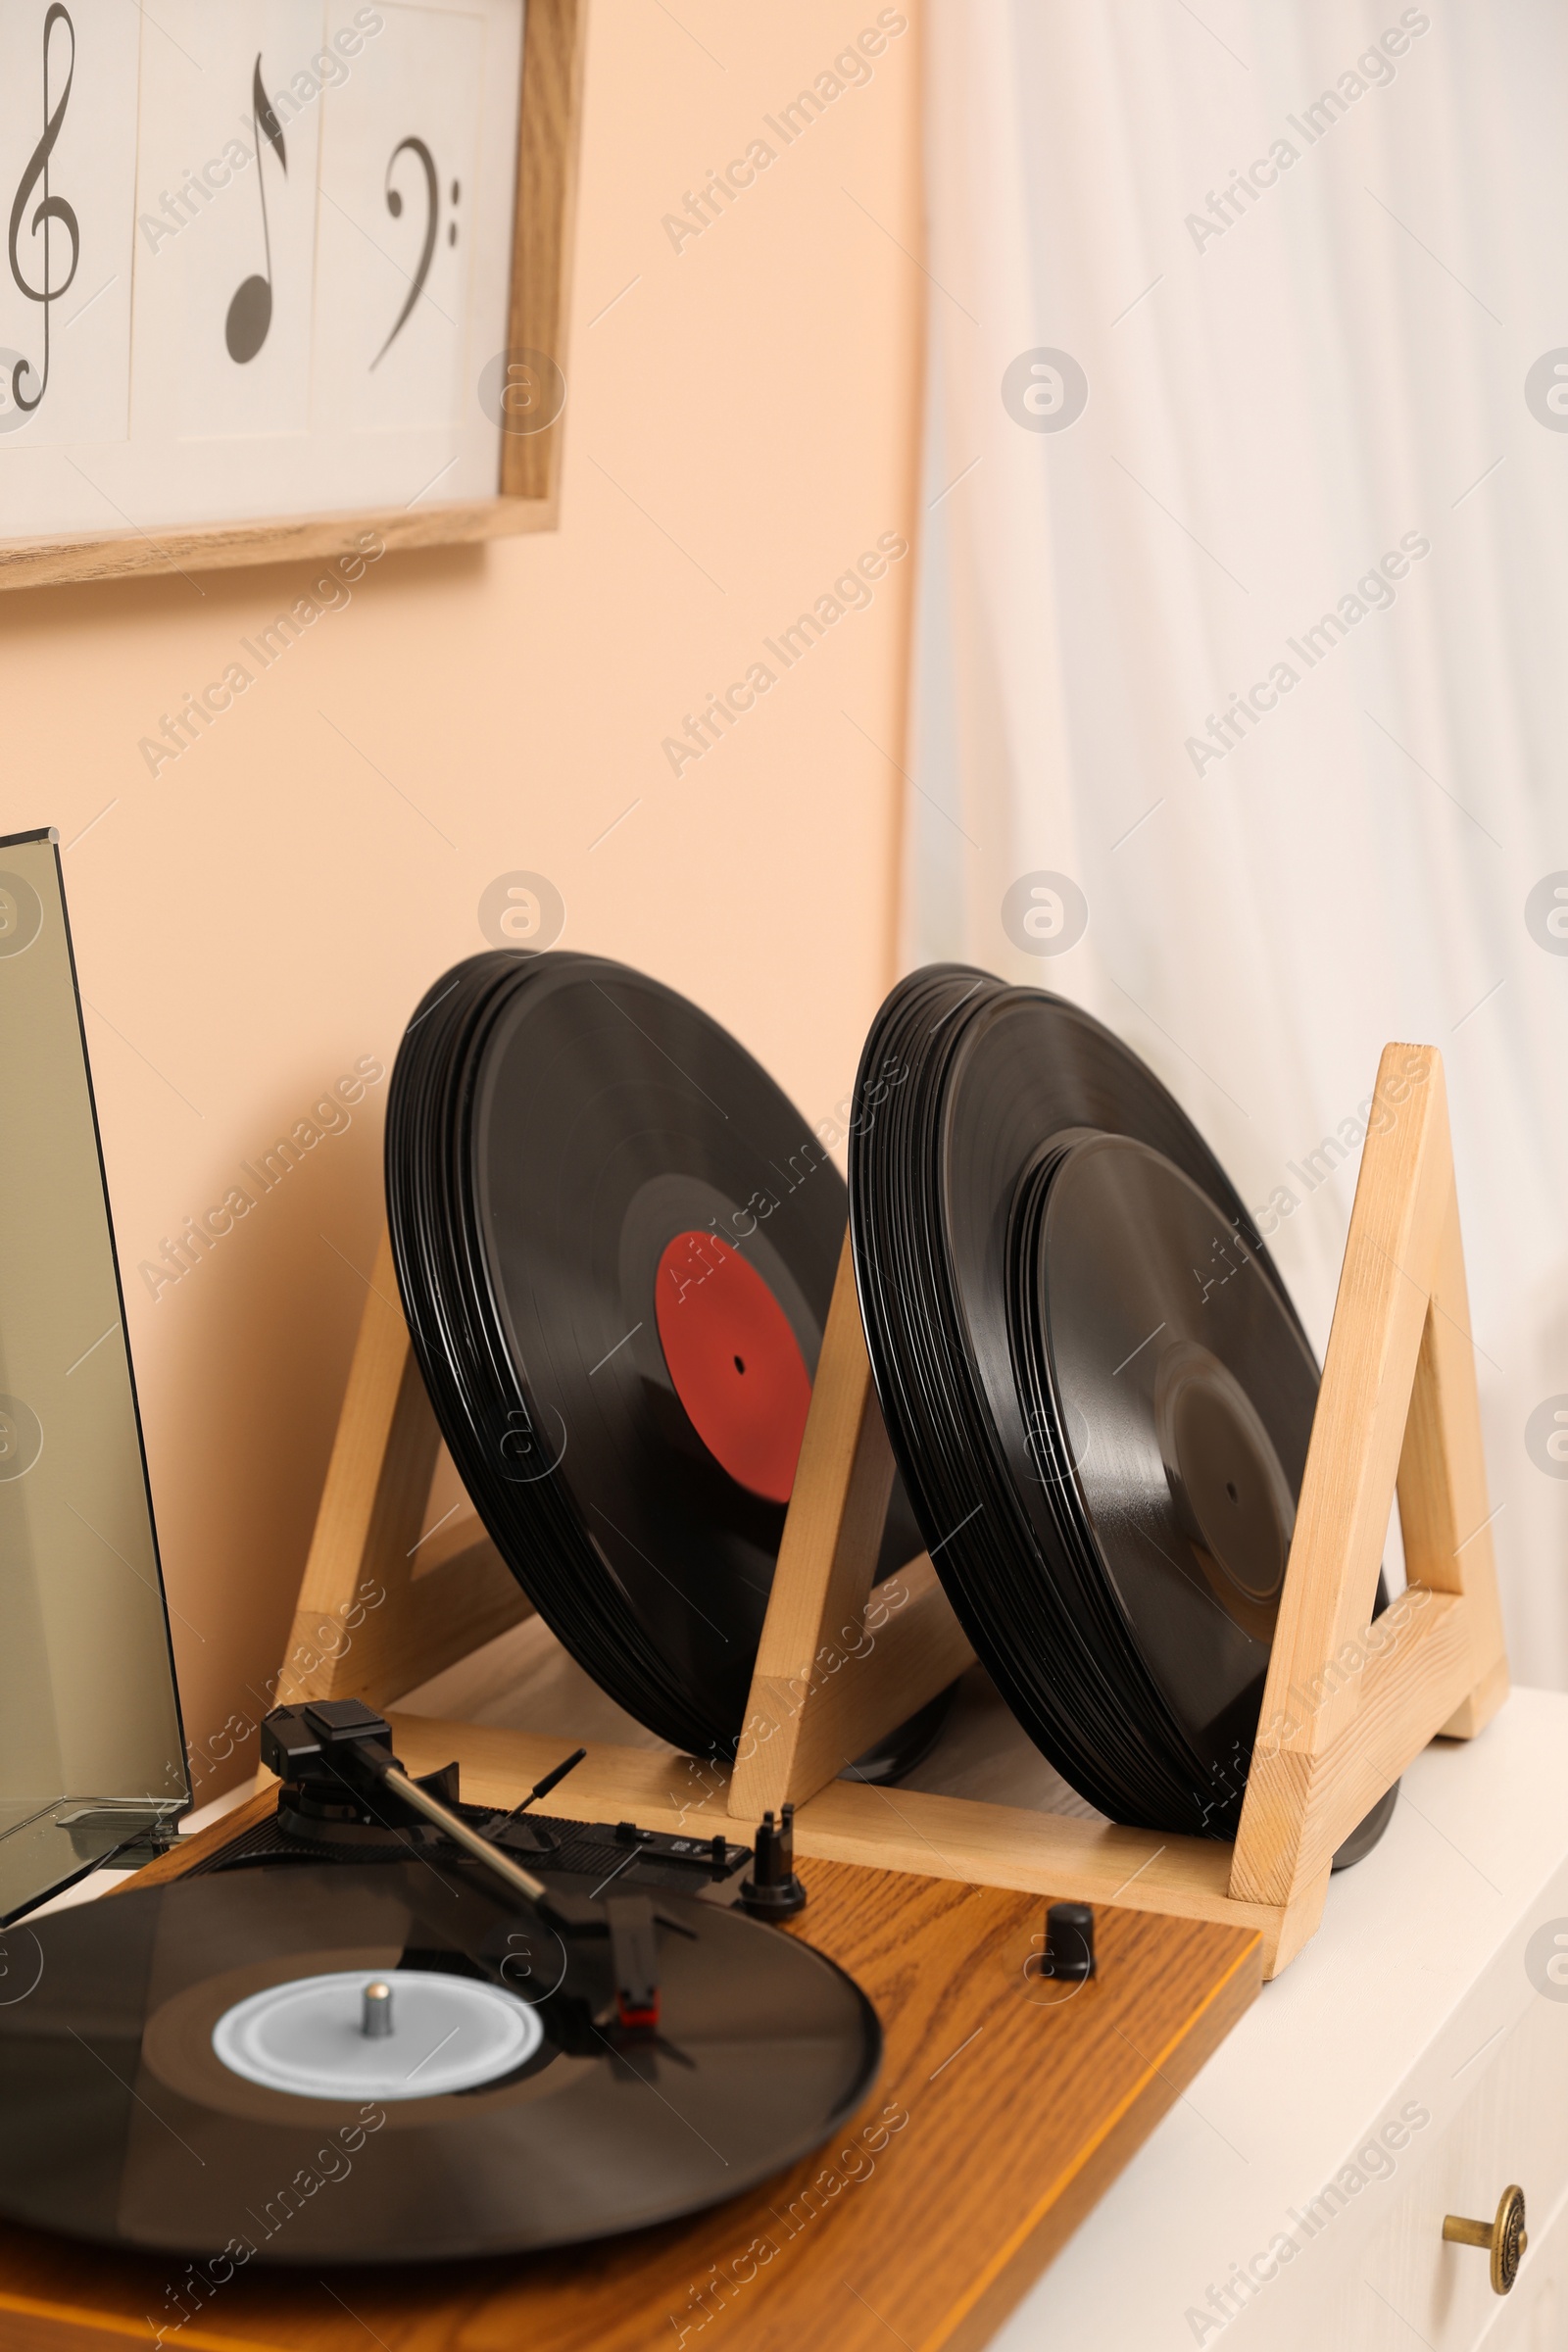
{"type": "Point", "coordinates": [1097, 1386]}
{"type": "Point", "coordinates": [189, 2071]}
{"type": "Point", "coordinates": [615, 1240]}
{"type": "Point", "coordinates": [1182, 1394]}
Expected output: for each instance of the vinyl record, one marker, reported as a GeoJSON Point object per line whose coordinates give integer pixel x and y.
{"type": "Point", "coordinates": [1097, 1386]}
{"type": "Point", "coordinates": [190, 2071]}
{"type": "Point", "coordinates": [1181, 1396]}
{"type": "Point", "coordinates": [615, 1240]}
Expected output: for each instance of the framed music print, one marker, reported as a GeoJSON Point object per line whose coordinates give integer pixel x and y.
{"type": "Point", "coordinates": [277, 271]}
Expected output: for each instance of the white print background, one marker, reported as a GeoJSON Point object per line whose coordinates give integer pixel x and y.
{"type": "Point", "coordinates": [1337, 370]}
{"type": "Point", "coordinates": [162, 426]}
{"type": "Point", "coordinates": [196, 98]}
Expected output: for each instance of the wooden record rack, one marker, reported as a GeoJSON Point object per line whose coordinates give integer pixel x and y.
{"type": "Point", "coordinates": [1348, 1703]}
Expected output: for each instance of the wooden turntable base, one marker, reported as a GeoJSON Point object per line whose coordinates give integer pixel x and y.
{"type": "Point", "coordinates": [1006, 2107]}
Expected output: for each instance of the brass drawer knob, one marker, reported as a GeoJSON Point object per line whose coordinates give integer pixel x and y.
{"type": "Point", "coordinates": [1504, 2239]}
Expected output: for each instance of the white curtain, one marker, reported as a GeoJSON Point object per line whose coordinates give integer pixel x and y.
{"type": "Point", "coordinates": [1306, 396]}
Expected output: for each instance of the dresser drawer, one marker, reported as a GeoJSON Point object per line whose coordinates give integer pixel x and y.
{"type": "Point", "coordinates": [1407, 2286]}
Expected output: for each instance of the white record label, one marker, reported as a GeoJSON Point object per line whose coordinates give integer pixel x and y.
{"type": "Point", "coordinates": [307, 2036]}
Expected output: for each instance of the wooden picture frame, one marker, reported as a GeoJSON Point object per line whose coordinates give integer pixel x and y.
{"type": "Point", "coordinates": [527, 496]}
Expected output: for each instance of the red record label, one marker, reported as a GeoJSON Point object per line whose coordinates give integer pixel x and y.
{"type": "Point", "coordinates": [735, 1363]}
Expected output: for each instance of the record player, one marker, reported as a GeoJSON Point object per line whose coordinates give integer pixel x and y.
{"type": "Point", "coordinates": [913, 2090]}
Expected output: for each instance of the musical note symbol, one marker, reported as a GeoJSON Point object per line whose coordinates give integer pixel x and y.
{"type": "Point", "coordinates": [394, 205]}
{"type": "Point", "coordinates": [250, 314]}
{"type": "Point", "coordinates": [52, 209]}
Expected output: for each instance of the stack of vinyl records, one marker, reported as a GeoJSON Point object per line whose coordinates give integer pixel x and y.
{"type": "Point", "coordinates": [615, 1240]}
{"type": "Point", "coordinates": [1096, 1387]}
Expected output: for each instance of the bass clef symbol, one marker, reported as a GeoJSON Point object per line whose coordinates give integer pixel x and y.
{"type": "Point", "coordinates": [432, 213]}
{"type": "Point", "coordinates": [52, 209]}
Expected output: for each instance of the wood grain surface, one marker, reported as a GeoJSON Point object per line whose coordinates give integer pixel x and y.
{"type": "Point", "coordinates": [81, 557]}
{"type": "Point", "coordinates": [1003, 2112]}
{"type": "Point", "coordinates": [1348, 1705]}
{"type": "Point", "coordinates": [543, 236]}
{"type": "Point", "coordinates": [833, 1675]}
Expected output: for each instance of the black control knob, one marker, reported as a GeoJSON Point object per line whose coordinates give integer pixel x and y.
{"type": "Point", "coordinates": [1069, 1954]}
{"type": "Point", "coordinates": [773, 1892]}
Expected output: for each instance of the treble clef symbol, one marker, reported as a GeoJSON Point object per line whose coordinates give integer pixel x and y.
{"type": "Point", "coordinates": [52, 209]}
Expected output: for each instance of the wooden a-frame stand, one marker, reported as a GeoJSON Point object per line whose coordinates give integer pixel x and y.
{"type": "Point", "coordinates": [1346, 1706]}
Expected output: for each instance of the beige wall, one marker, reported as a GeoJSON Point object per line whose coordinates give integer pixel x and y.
{"type": "Point", "coordinates": [741, 427]}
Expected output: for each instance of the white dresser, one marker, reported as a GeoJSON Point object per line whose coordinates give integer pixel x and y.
{"type": "Point", "coordinates": [1415, 2057]}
